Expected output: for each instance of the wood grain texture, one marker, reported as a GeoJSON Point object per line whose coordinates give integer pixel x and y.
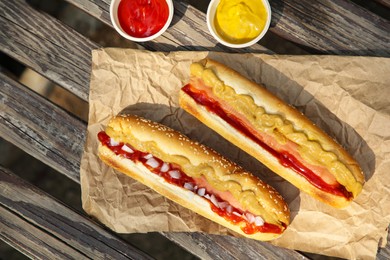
{"type": "Point", "coordinates": [225, 247]}
{"type": "Point", "coordinates": [40, 128]}
{"type": "Point", "coordinates": [384, 253]}
{"type": "Point", "coordinates": [23, 125]}
{"type": "Point", "coordinates": [31, 240]}
{"type": "Point", "coordinates": [42, 227]}
{"type": "Point", "coordinates": [332, 27]}
{"type": "Point", "coordinates": [385, 3]}
{"type": "Point", "coordinates": [46, 45]}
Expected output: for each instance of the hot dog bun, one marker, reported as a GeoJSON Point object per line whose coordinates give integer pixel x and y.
{"type": "Point", "coordinates": [285, 132]}
{"type": "Point", "coordinates": [208, 169]}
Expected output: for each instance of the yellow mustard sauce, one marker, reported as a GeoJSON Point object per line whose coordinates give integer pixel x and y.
{"type": "Point", "coordinates": [239, 21]}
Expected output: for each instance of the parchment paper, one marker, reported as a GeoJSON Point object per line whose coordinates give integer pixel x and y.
{"type": "Point", "coordinates": [345, 96]}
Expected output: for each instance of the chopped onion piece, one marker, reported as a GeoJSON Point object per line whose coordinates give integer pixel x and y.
{"type": "Point", "coordinates": [148, 156]}
{"type": "Point", "coordinates": [164, 167]}
{"type": "Point", "coordinates": [174, 174]}
{"type": "Point", "coordinates": [113, 142]}
{"type": "Point", "coordinates": [152, 163]}
{"type": "Point", "coordinates": [250, 217]}
{"type": "Point", "coordinates": [201, 192]}
{"type": "Point", "coordinates": [223, 204]}
{"type": "Point", "coordinates": [259, 221]}
{"type": "Point", "coordinates": [207, 196]}
{"type": "Point", "coordinates": [127, 149]}
{"type": "Point", "coordinates": [229, 209]}
{"type": "Point", "coordinates": [214, 200]}
{"type": "Point", "coordinates": [188, 186]}
{"type": "Point", "coordinates": [237, 214]}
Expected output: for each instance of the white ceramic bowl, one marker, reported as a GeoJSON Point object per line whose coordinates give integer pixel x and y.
{"type": "Point", "coordinates": [210, 24]}
{"type": "Point", "coordinates": [115, 22]}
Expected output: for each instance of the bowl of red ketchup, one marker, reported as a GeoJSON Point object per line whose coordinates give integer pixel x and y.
{"type": "Point", "coordinates": [141, 20]}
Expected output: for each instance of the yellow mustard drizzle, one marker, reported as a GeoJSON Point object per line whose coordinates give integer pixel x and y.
{"type": "Point", "coordinates": [239, 21]}
{"type": "Point", "coordinates": [245, 192]}
{"type": "Point", "coordinates": [277, 126]}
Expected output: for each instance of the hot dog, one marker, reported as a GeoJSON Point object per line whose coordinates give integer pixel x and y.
{"type": "Point", "coordinates": [193, 176]}
{"type": "Point", "coordinates": [275, 133]}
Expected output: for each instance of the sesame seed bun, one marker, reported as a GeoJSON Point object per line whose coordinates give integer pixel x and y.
{"type": "Point", "coordinates": [175, 148]}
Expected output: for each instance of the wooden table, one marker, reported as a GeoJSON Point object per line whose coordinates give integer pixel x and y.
{"type": "Point", "coordinates": [40, 226]}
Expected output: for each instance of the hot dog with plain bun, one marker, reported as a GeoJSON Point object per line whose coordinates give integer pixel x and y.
{"type": "Point", "coordinates": [193, 176]}
{"type": "Point", "coordinates": [275, 133]}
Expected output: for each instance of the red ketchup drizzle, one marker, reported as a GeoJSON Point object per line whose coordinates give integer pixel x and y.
{"type": "Point", "coordinates": [286, 159]}
{"type": "Point", "coordinates": [248, 228]}
{"type": "Point", "coordinates": [142, 18]}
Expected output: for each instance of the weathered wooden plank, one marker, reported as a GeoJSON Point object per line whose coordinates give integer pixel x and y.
{"type": "Point", "coordinates": [42, 227]}
{"type": "Point", "coordinates": [385, 3]}
{"type": "Point", "coordinates": [46, 45]}
{"type": "Point", "coordinates": [32, 241]}
{"type": "Point", "coordinates": [379, 7]}
{"type": "Point", "coordinates": [100, 9]}
{"type": "Point", "coordinates": [225, 247]}
{"type": "Point", "coordinates": [41, 128]}
{"type": "Point", "coordinates": [333, 27]}
{"type": "Point", "coordinates": [20, 126]}
{"type": "Point", "coordinates": [384, 253]}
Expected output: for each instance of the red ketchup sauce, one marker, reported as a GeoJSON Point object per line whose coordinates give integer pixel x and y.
{"type": "Point", "coordinates": [142, 18]}
{"type": "Point", "coordinates": [286, 159]}
{"type": "Point", "coordinates": [223, 211]}
{"type": "Point", "coordinates": [249, 228]}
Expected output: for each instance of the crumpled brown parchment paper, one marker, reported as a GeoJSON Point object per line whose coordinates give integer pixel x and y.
{"type": "Point", "coordinates": [345, 96]}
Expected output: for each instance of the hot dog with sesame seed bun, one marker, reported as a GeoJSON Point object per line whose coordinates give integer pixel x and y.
{"type": "Point", "coordinates": [193, 176]}
{"type": "Point", "coordinates": [273, 132]}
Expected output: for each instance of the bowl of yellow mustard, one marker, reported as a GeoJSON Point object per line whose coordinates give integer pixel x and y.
{"type": "Point", "coordinates": [238, 23]}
